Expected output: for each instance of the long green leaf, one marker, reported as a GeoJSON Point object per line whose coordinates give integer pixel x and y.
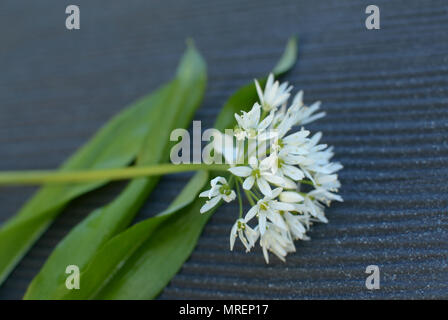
{"type": "Point", "coordinates": [116, 251]}
{"type": "Point", "coordinates": [174, 109]}
{"type": "Point", "coordinates": [115, 145]}
{"type": "Point", "coordinates": [152, 252]}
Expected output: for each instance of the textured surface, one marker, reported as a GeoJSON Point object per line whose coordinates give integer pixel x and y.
{"type": "Point", "coordinates": [385, 93]}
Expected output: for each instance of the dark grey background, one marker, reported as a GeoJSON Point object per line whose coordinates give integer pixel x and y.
{"type": "Point", "coordinates": [385, 93]}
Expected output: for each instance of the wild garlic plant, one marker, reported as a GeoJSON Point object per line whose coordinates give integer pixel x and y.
{"type": "Point", "coordinates": [287, 176]}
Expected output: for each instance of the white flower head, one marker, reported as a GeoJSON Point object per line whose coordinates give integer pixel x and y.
{"type": "Point", "coordinates": [272, 170]}
{"type": "Point", "coordinates": [274, 95]}
{"type": "Point", "coordinates": [220, 190]}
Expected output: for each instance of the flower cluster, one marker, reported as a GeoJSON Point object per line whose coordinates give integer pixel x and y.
{"type": "Point", "coordinates": [286, 175]}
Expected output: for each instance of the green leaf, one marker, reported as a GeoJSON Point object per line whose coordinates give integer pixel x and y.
{"type": "Point", "coordinates": [149, 269]}
{"type": "Point", "coordinates": [244, 97]}
{"type": "Point", "coordinates": [115, 145]}
{"type": "Point", "coordinates": [153, 251]}
{"type": "Point", "coordinates": [288, 58]}
{"type": "Point", "coordinates": [174, 109]}
{"type": "Point", "coordinates": [116, 251]}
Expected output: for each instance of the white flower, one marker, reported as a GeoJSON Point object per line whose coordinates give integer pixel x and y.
{"type": "Point", "coordinates": [291, 197]}
{"type": "Point", "coordinates": [277, 241]}
{"type": "Point", "coordinates": [296, 143]}
{"type": "Point", "coordinates": [328, 181]}
{"type": "Point", "coordinates": [304, 114]}
{"type": "Point", "coordinates": [220, 190]}
{"type": "Point", "coordinates": [295, 225]}
{"type": "Point", "coordinates": [268, 209]}
{"type": "Point", "coordinates": [305, 220]}
{"type": "Point", "coordinates": [327, 184]}
{"type": "Point", "coordinates": [278, 163]}
{"type": "Point", "coordinates": [279, 117]}
{"type": "Point", "coordinates": [284, 121]}
{"type": "Point", "coordinates": [284, 164]}
{"type": "Point", "coordinates": [274, 94]}
{"type": "Point", "coordinates": [250, 126]}
{"type": "Point", "coordinates": [312, 207]}
{"type": "Point", "coordinates": [259, 174]}
{"type": "Point", "coordinates": [247, 235]}
{"type": "Point", "coordinates": [318, 159]}
{"type": "Point", "coordinates": [295, 222]}
{"type": "Point", "coordinates": [324, 195]}
{"type": "Point", "coordinates": [224, 145]}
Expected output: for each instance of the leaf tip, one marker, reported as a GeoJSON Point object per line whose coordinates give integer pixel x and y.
{"type": "Point", "coordinates": [190, 43]}
{"type": "Point", "coordinates": [288, 58]}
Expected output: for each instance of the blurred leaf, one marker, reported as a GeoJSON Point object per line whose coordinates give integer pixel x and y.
{"type": "Point", "coordinates": [174, 109]}
{"type": "Point", "coordinates": [153, 251]}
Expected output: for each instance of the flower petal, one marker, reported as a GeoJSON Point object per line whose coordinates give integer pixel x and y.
{"type": "Point", "coordinates": [253, 162]}
{"type": "Point", "coordinates": [259, 91]}
{"type": "Point", "coordinates": [241, 171]}
{"type": "Point", "coordinates": [289, 184]}
{"type": "Point", "coordinates": [251, 213]}
{"type": "Point", "coordinates": [269, 163]}
{"type": "Point", "coordinates": [293, 172]}
{"type": "Point", "coordinates": [217, 180]}
{"type": "Point", "coordinates": [276, 192]}
{"type": "Point", "coordinates": [283, 206]}
{"type": "Point", "coordinates": [290, 197]}
{"type": "Point", "coordinates": [233, 235]}
{"type": "Point", "coordinates": [269, 82]}
{"type": "Point", "coordinates": [210, 204]}
{"type": "Point", "coordinates": [204, 193]}
{"type": "Point", "coordinates": [262, 223]}
{"type": "Point", "coordinates": [264, 187]}
{"type": "Point", "coordinates": [254, 115]}
{"type": "Point", "coordinates": [298, 99]}
{"type": "Point", "coordinates": [296, 137]}
{"type": "Point", "coordinates": [277, 219]}
{"type": "Point", "coordinates": [266, 121]}
{"type": "Point", "coordinates": [274, 179]}
{"type": "Point", "coordinates": [265, 254]}
{"type": "Point", "coordinates": [248, 183]}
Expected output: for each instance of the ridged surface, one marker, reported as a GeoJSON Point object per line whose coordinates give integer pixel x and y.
{"type": "Point", "coordinates": [385, 93]}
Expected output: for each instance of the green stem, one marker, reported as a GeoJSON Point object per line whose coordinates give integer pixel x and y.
{"type": "Point", "coordinates": [256, 193]}
{"type": "Point", "coordinates": [240, 200]}
{"type": "Point", "coordinates": [255, 196]}
{"type": "Point", "coordinates": [263, 115]}
{"type": "Point", "coordinates": [306, 182]}
{"type": "Point", "coordinates": [77, 176]}
{"type": "Point", "coordinates": [249, 194]}
{"type": "Point", "coordinates": [249, 197]}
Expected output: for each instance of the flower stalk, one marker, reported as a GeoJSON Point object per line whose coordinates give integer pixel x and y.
{"type": "Point", "coordinates": [38, 177]}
